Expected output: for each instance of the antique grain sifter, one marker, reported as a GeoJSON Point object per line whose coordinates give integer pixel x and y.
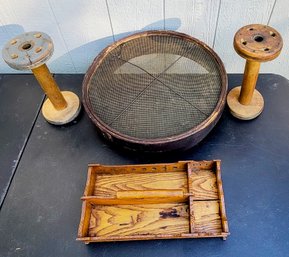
{"type": "Point", "coordinates": [155, 91]}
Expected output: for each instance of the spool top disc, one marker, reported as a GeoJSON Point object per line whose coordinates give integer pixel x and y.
{"type": "Point", "coordinates": [27, 51]}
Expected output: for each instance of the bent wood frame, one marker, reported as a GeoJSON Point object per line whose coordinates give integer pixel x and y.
{"type": "Point", "coordinates": [177, 142]}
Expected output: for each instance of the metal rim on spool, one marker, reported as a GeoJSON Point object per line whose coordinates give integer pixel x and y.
{"type": "Point", "coordinates": [180, 141]}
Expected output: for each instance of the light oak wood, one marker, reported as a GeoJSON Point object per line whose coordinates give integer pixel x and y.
{"type": "Point", "coordinates": [144, 194]}
{"type": "Point", "coordinates": [129, 220]}
{"type": "Point", "coordinates": [129, 203]}
{"type": "Point", "coordinates": [149, 200]}
{"type": "Point", "coordinates": [49, 86]}
{"type": "Point", "coordinates": [224, 220]}
{"type": "Point", "coordinates": [245, 112]}
{"type": "Point", "coordinates": [154, 168]}
{"type": "Point", "coordinates": [249, 82]}
{"type": "Point", "coordinates": [204, 185]}
{"type": "Point", "coordinates": [63, 116]}
{"type": "Point", "coordinates": [207, 217]}
{"type": "Point", "coordinates": [85, 219]}
{"type": "Point", "coordinates": [60, 107]}
{"type": "Point", "coordinates": [107, 186]}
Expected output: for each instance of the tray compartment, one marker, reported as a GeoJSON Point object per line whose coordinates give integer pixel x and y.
{"type": "Point", "coordinates": [108, 185]}
{"type": "Point", "coordinates": [135, 220]}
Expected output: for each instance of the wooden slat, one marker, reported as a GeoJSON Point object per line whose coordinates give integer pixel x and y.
{"type": "Point", "coordinates": [84, 220]}
{"type": "Point", "coordinates": [107, 185]}
{"type": "Point", "coordinates": [137, 220]}
{"type": "Point", "coordinates": [207, 217]}
{"type": "Point", "coordinates": [191, 215]}
{"type": "Point", "coordinates": [115, 201]}
{"type": "Point", "coordinates": [90, 182]}
{"type": "Point", "coordinates": [190, 189]}
{"type": "Point", "coordinates": [204, 185]}
{"type": "Point", "coordinates": [149, 237]}
{"type": "Point", "coordinates": [221, 198]}
{"type": "Point", "coordinates": [144, 194]}
{"type": "Point", "coordinates": [124, 169]}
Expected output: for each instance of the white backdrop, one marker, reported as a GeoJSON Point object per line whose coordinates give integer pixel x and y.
{"type": "Point", "coordinates": [80, 29]}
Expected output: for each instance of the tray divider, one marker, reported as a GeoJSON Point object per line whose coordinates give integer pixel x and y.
{"type": "Point", "coordinates": [90, 182]}
{"type": "Point", "coordinates": [131, 201]}
{"type": "Point", "coordinates": [190, 189]}
{"type": "Point", "coordinates": [221, 197]}
{"type": "Point", "coordinates": [84, 220]}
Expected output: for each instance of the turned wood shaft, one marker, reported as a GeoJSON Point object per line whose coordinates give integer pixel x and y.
{"type": "Point", "coordinates": [249, 82]}
{"type": "Point", "coordinates": [48, 84]}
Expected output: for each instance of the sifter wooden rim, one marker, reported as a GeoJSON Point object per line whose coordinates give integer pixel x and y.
{"type": "Point", "coordinates": [109, 132]}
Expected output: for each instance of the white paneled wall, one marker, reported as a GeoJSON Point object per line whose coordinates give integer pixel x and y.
{"type": "Point", "coordinates": [81, 29]}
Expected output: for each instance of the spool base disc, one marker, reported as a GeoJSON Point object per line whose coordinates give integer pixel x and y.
{"type": "Point", "coordinates": [245, 112]}
{"type": "Point", "coordinates": [61, 117]}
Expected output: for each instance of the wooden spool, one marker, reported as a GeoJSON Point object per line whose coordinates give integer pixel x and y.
{"type": "Point", "coordinates": [30, 51]}
{"type": "Point", "coordinates": [256, 43]}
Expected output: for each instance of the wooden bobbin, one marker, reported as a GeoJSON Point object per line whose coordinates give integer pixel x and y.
{"type": "Point", "coordinates": [30, 51]}
{"type": "Point", "coordinates": [256, 43]}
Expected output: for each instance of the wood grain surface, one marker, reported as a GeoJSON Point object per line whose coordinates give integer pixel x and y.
{"type": "Point", "coordinates": [204, 186]}
{"type": "Point", "coordinates": [141, 202]}
{"type": "Point", "coordinates": [207, 217]}
{"type": "Point", "coordinates": [106, 186]}
{"type": "Point", "coordinates": [124, 220]}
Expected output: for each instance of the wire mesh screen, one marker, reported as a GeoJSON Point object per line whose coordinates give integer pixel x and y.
{"type": "Point", "coordinates": [155, 86]}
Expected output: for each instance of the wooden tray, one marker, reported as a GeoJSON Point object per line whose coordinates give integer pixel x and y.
{"type": "Point", "coordinates": [156, 201]}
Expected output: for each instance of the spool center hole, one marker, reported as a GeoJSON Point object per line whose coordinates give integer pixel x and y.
{"type": "Point", "coordinates": [26, 46]}
{"type": "Point", "coordinates": [258, 38]}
